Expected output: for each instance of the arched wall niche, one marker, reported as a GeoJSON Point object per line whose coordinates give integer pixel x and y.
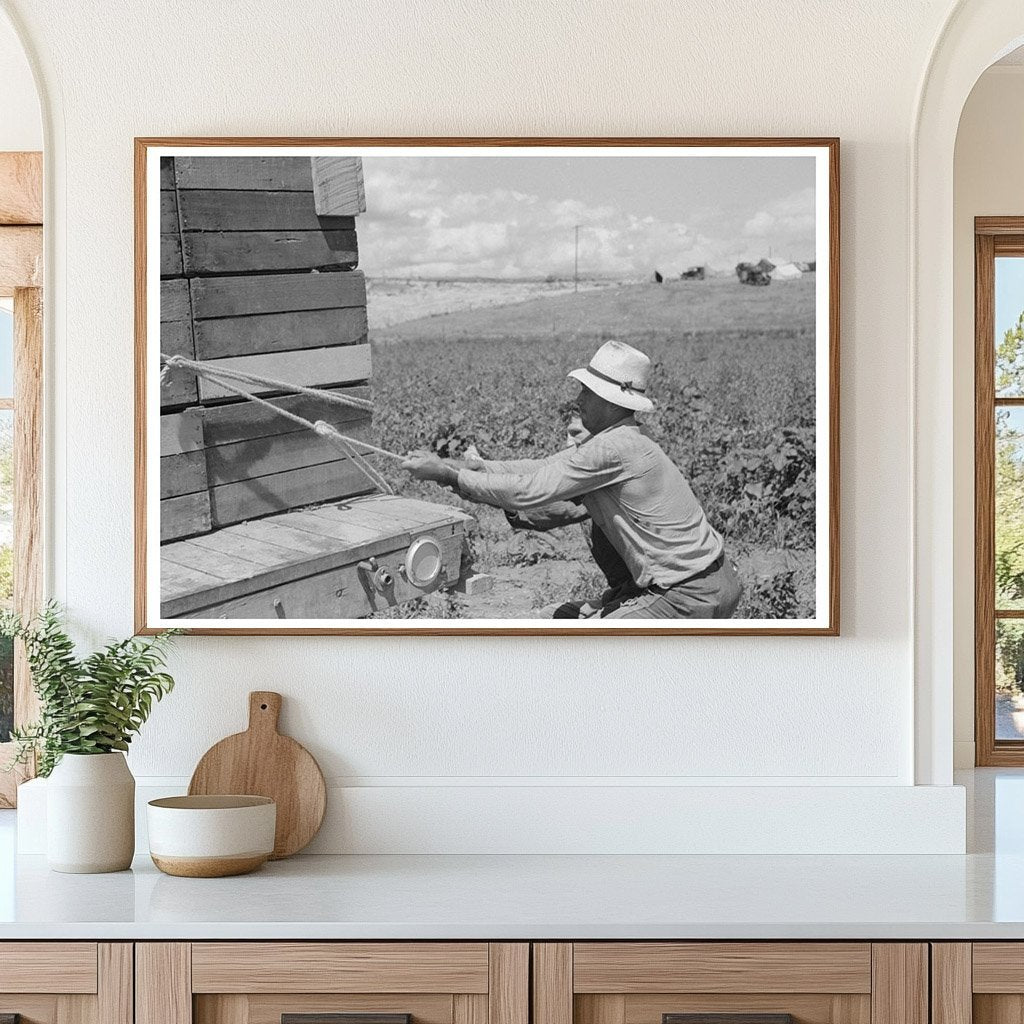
{"type": "Point", "coordinates": [975, 35]}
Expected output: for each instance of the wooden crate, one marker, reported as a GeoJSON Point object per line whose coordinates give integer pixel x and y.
{"type": "Point", "coordinates": [234, 219]}
{"type": "Point", "coordinates": [305, 564]}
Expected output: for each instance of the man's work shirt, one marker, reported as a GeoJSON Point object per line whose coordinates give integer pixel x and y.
{"type": "Point", "coordinates": [631, 489]}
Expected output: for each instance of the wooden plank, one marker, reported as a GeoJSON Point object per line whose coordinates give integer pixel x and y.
{"type": "Point", "coordinates": [227, 547]}
{"type": "Point", "coordinates": [985, 752]}
{"type": "Point", "coordinates": [289, 173]}
{"type": "Point", "coordinates": [508, 994]}
{"type": "Point", "coordinates": [317, 367]}
{"type": "Point", "coordinates": [169, 224]}
{"type": "Point", "coordinates": [469, 1009]}
{"type": "Point", "coordinates": [115, 983]}
{"type": "Point", "coordinates": [628, 967]}
{"type": "Point", "coordinates": [280, 332]}
{"type": "Point", "coordinates": [175, 305]}
{"type": "Point", "coordinates": [899, 991]}
{"type": "Point", "coordinates": [163, 983]}
{"type": "Point", "coordinates": [276, 293]}
{"type": "Point", "coordinates": [34, 1009]}
{"type": "Point", "coordinates": [28, 484]}
{"type": "Point", "coordinates": [166, 172]}
{"type": "Point", "coordinates": [66, 967]}
{"type": "Point", "coordinates": [605, 1009]}
{"type": "Point", "coordinates": [235, 252]}
{"type": "Point", "coordinates": [230, 1009]}
{"type": "Point", "coordinates": [249, 460]}
{"type": "Point", "coordinates": [247, 210]}
{"type": "Point", "coordinates": [185, 516]}
{"type": "Point", "coordinates": [267, 1009]}
{"type": "Point", "coordinates": [211, 561]}
{"type": "Point", "coordinates": [341, 593]}
{"type": "Point", "coordinates": [384, 509]}
{"type": "Point", "coordinates": [328, 586]}
{"type": "Point", "coordinates": [21, 258]}
{"type": "Point", "coordinates": [338, 186]}
{"type": "Point", "coordinates": [552, 983]}
{"type": "Point", "coordinates": [305, 967]}
{"type": "Point", "coordinates": [951, 1001]}
{"type": "Point", "coordinates": [177, 579]}
{"type": "Point", "coordinates": [246, 421]}
{"type": "Point", "coordinates": [73, 1009]}
{"type": "Point", "coordinates": [411, 510]}
{"type": "Point", "coordinates": [181, 431]}
{"type": "Point", "coordinates": [998, 967]}
{"type": "Point", "coordinates": [279, 492]}
{"type": "Point", "coordinates": [997, 1009]}
{"type": "Point", "coordinates": [21, 188]}
{"type": "Point", "coordinates": [170, 255]}
{"type": "Point", "coordinates": [182, 474]}
{"type": "Point", "coordinates": [180, 387]}
{"type": "Point", "coordinates": [303, 543]}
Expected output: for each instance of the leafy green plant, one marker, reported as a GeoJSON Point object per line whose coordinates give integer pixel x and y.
{"type": "Point", "coordinates": [90, 705]}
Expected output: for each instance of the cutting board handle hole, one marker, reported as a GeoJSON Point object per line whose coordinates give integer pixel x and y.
{"type": "Point", "coordinates": [263, 707]}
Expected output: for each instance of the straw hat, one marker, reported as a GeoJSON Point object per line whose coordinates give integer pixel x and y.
{"type": "Point", "coordinates": [618, 373]}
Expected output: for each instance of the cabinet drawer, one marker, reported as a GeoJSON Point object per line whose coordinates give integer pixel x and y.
{"type": "Point", "coordinates": [634, 967]}
{"type": "Point", "coordinates": [730, 983]}
{"type": "Point", "coordinates": [66, 982]}
{"type": "Point", "coordinates": [340, 967]}
{"type": "Point", "coordinates": [332, 983]}
{"type": "Point", "coordinates": [65, 967]}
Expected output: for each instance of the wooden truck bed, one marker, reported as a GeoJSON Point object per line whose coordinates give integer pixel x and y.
{"type": "Point", "coordinates": [306, 564]}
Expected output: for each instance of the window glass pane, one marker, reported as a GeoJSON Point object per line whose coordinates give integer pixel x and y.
{"type": "Point", "coordinates": [6, 561]}
{"type": "Point", "coordinates": [1009, 318]}
{"type": "Point", "coordinates": [1009, 679]}
{"type": "Point", "coordinates": [1010, 508]}
{"type": "Point", "coordinates": [6, 353]}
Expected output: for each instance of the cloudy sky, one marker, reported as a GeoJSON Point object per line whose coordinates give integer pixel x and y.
{"type": "Point", "coordinates": [514, 216]}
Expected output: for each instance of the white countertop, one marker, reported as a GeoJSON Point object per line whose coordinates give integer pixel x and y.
{"type": "Point", "coordinates": [977, 896]}
{"type": "Point", "coordinates": [516, 897]}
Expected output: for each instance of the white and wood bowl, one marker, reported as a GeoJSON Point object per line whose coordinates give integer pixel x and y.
{"type": "Point", "coordinates": [211, 836]}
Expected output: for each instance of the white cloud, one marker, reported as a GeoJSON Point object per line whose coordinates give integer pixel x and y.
{"type": "Point", "coordinates": [787, 224]}
{"type": "Point", "coordinates": [416, 225]}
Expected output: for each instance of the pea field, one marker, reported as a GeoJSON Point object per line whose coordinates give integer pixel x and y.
{"type": "Point", "coordinates": [733, 384]}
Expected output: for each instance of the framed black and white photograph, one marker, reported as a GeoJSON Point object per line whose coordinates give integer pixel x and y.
{"type": "Point", "coordinates": [494, 386]}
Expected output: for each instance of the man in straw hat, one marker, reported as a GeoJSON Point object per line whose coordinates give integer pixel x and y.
{"type": "Point", "coordinates": [634, 493]}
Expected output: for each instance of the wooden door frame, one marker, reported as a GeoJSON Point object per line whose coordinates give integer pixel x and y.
{"type": "Point", "coordinates": [993, 236]}
{"type": "Point", "coordinates": [21, 278]}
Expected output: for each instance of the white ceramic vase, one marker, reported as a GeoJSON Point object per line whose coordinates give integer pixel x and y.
{"type": "Point", "coordinates": [90, 814]}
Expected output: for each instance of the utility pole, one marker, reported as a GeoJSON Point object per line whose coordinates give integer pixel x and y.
{"type": "Point", "coordinates": [576, 262]}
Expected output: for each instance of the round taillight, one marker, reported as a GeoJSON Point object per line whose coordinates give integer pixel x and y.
{"type": "Point", "coordinates": [423, 561]}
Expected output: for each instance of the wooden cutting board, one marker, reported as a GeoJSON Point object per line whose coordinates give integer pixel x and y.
{"type": "Point", "coordinates": [262, 762]}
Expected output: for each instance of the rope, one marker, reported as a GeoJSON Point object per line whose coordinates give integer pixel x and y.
{"type": "Point", "coordinates": [205, 369]}
{"type": "Point", "coordinates": [223, 377]}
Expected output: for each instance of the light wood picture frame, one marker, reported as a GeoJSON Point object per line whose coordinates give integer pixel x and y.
{"type": "Point", "coordinates": [453, 283]}
{"type": "Point", "coordinates": [994, 237]}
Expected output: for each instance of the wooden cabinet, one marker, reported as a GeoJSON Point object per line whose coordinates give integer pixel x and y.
{"type": "Point", "coordinates": [978, 983]}
{"type": "Point", "coordinates": [494, 983]}
{"type": "Point", "coordinates": [758, 982]}
{"type": "Point", "coordinates": [66, 982]}
{"type": "Point", "coordinates": [306, 982]}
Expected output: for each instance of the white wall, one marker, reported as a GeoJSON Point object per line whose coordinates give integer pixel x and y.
{"type": "Point", "coordinates": [439, 713]}
{"type": "Point", "coordinates": [987, 181]}
{"type": "Point", "coordinates": [21, 127]}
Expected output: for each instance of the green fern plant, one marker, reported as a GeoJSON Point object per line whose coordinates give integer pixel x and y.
{"type": "Point", "coordinates": [90, 705]}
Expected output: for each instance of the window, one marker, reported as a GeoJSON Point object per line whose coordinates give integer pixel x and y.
{"type": "Point", "coordinates": [21, 364]}
{"type": "Point", "coordinates": [999, 490]}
